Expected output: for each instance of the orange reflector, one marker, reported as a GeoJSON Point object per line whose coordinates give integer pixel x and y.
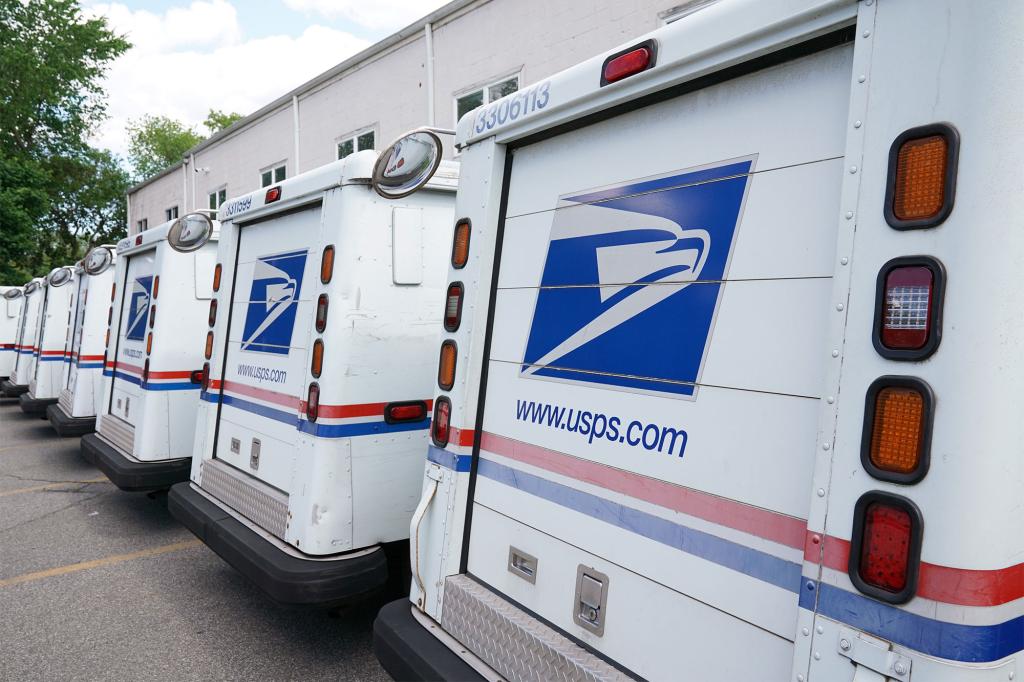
{"type": "Point", "coordinates": [896, 434]}
{"type": "Point", "coordinates": [216, 277]}
{"type": "Point", "coordinates": [327, 264]}
{"type": "Point", "coordinates": [446, 367]}
{"type": "Point", "coordinates": [897, 429]}
{"type": "Point", "coordinates": [156, 286]}
{"type": "Point", "coordinates": [113, 290]}
{"type": "Point", "coordinates": [318, 358]}
{"type": "Point", "coordinates": [920, 178]}
{"type": "Point", "coordinates": [149, 343]}
{"type": "Point", "coordinates": [209, 345]}
{"type": "Point", "coordinates": [460, 244]}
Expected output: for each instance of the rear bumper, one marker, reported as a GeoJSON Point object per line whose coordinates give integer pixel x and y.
{"type": "Point", "coordinates": [13, 390]}
{"type": "Point", "coordinates": [66, 425]}
{"type": "Point", "coordinates": [408, 651]}
{"type": "Point", "coordinates": [35, 406]}
{"type": "Point", "coordinates": [131, 474]}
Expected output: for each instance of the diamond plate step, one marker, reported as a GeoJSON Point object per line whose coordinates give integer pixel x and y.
{"type": "Point", "coordinates": [513, 643]}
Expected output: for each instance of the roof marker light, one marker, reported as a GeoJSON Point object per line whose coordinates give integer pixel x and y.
{"type": "Point", "coordinates": [629, 62]}
{"type": "Point", "coordinates": [273, 194]}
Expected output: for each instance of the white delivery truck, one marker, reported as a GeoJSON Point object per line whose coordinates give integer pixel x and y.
{"type": "Point", "coordinates": [51, 343]}
{"type": "Point", "coordinates": [154, 349]}
{"type": "Point", "coordinates": [11, 307]}
{"type": "Point", "coordinates": [81, 385]}
{"type": "Point", "coordinates": [25, 346]}
{"type": "Point", "coordinates": [310, 437]}
{"type": "Point", "coordinates": [733, 391]}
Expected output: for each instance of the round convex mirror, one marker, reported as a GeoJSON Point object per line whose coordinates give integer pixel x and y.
{"type": "Point", "coordinates": [59, 277]}
{"type": "Point", "coordinates": [97, 260]}
{"type": "Point", "coordinates": [190, 232]}
{"type": "Point", "coordinates": [407, 164]}
{"type": "Point", "coordinates": [31, 287]}
{"type": "Point", "coordinates": [12, 294]}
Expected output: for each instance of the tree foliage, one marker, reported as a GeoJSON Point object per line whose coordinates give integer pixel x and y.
{"type": "Point", "coordinates": [156, 142]}
{"type": "Point", "coordinates": [57, 194]}
{"type": "Point", "coordinates": [217, 121]}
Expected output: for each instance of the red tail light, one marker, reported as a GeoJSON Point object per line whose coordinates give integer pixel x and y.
{"type": "Point", "coordinates": [886, 547]}
{"type": "Point", "coordinates": [440, 429]}
{"type": "Point", "coordinates": [628, 62]}
{"type": "Point", "coordinates": [206, 376]}
{"type": "Point", "coordinates": [321, 313]}
{"type": "Point", "coordinates": [396, 413]}
{"type": "Point", "coordinates": [313, 402]}
{"type": "Point", "coordinates": [138, 240]}
{"type": "Point", "coordinates": [273, 194]}
{"type": "Point", "coordinates": [908, 305]}
{"type": "Point", "coordinates": [145, 371]}
{"type": "Point", "coordinates": [213, 311]}
{"type": "Point", "coordinates": [453, 307]}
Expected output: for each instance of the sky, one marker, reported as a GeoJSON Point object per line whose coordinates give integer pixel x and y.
{"type": "Point", "coordinates": [231, 55]}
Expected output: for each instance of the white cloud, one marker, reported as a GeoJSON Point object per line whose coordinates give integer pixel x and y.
{"type": "Point", "coordinates": [192, 59]}
{"type": "Point", "coordinates": [374, 14]}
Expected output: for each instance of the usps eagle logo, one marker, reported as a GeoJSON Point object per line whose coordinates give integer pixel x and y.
{"type": "Point", "coordinates": [632, 280]}
{"type": "Point", "coordinates": [273, 302]}
{"type": "Point", "coordinates": [138, 308]}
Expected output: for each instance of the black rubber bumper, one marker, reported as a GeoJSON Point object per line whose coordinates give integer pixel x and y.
{"type": "Point", "coordinates": [13, 390]}
{"type": "Point", "coordinates": [35, 406]}
{"type": "Point", "coordinates": [285, 578]}
{"type": "Point", "coordinates": [67, 426]}
{"type": "Point", "coordinates": [408, 651]}
{"type": "Point", "coordinates": [131, 475]}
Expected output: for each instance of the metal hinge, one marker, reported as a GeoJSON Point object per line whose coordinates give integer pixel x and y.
{"type": "Point", "coordinates": [873, 653]}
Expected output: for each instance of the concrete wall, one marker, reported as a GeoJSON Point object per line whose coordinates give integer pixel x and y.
{"type": "Point", "coordinates": [387, 92]}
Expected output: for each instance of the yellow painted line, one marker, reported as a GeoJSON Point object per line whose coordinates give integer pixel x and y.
{"type": "Point", "coordinates": [98, 563]}
{"type": "Point", "coordinates": [51, 486]}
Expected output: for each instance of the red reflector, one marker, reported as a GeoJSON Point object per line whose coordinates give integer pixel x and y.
{"type": "Point", "coordinates": [453, 307]}
{"type": "Point", "coordinates": [886, 546]}
{"type": "Point", "coordinates": [313, 402]}
{"type": "Point", "coordinates": [273, 194]}
{"type": "Point", "coordinates": [906, 320]}
{"type": "Point", "coordinates": [626, 64]}
{"type": "Point", "coordinates": [321, 313]}
{"type": "Point", "coordinates": [440, 429]}
{"type": "Point", "coordinates": [405, 412]}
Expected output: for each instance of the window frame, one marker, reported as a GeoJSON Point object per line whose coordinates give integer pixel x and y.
{"type": "Point", "coordinates": [171, 213]}
{"type": "Point", "coordinates": [485, 89]}
{"type": "Point", "coordinates": [142, 224]}
{"type": "Point", "coordinates": [353, 137]}
{"type": "Point", "coordinates": [273, 169]}
{"type": "Point", "coordinates": [220, 196]}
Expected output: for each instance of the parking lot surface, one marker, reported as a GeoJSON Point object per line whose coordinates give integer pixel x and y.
{"type": "Point", "coordinates": [96, 583]}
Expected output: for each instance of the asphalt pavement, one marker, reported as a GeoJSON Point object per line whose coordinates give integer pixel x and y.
{"type": "Point", "coordinates": [99, 584]}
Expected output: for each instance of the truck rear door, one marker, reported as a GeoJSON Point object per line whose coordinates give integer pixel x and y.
{"type": "Point", "coordinates": [77, 329]}
{"type": "Point", "coordinates": [130, 348]}
{"type": "Point", "coordinates": [266, 349]}
{"type": "Point", "coordinates": [654, 371]}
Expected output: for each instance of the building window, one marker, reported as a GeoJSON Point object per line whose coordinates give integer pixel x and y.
{"type": "Point", "coordinates": [468, 101]}
{"type": "Point", "coordinates": [269, 176]}
{"type": "Point", "coordinates": [216, 199]}
{"type": "Point", "coordinates": [171, 213]}
{"type": "Point", "coordinates": [355, 143]}
{"type": "Point", "coordinates": [142, 225]}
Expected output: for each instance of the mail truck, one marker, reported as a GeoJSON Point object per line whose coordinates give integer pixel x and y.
{"type": "Point", "coordinates": [12, 301]}
{"type": "Point", "coordinates": [81, 386]}
{"type": "Point", "coordinates": [318, 375]}
{"type": "Point", "coordinates": [729, 386]}
{"type": "Point", "coordinates": [25, 345]}
{"type": "Point", "coordinates": [154, 349]}
{"type": "Point", "coordinates": [52, 342]}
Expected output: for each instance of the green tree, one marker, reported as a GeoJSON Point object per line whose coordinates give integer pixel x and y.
{"type": "Point", "coordinates": [217, 121]}
{"type": "Point", "coordinates": [52, 61]}
{"type": "Point", "coordinates": [157, 142]}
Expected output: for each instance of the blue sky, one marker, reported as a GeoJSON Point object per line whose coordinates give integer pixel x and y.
{"type": "Point", "coordinates": [190, 56]}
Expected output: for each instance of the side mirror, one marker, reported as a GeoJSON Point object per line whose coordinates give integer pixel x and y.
{"type": "Point", "coordinates": [190, 232]}
{"type": "Point", "coordinates": [97, 260]}
{"type": "Point", "coordinates": [59, 277]}
{"type": "Point", "coordinates": [408, 164]}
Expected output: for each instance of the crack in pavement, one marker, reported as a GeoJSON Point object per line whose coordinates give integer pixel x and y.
{"type": "Point", "coordinates": [76, 503]}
